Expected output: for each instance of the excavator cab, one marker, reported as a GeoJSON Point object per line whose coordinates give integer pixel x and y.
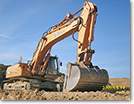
{"type": "Point", "coordinates": [52, 66]}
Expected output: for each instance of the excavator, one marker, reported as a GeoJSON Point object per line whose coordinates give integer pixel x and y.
{"type": "Point", "coordinates": [41, 71]}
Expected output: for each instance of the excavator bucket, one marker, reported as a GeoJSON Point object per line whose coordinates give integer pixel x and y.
{"type": "Point", "coordinates": [84, 77]}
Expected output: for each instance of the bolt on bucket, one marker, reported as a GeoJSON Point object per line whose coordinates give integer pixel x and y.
{"type": "Point", "coordinates": [84, 78]}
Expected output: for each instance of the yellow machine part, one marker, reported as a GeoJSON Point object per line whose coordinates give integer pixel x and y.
{"type": "Point", "coordinates": [19, 69]}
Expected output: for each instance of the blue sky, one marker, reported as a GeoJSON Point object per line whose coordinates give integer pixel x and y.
{"type": "Point", "coordinates": [22, 23]}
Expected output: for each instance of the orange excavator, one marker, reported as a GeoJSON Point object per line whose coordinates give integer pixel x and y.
{"type": "Point", "coordinates": [41, 71]}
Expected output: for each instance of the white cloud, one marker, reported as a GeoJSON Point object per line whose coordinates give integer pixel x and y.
{"type": "Point", "coordinates": [5, 36]}
{"type": "Point", "coordinates": [8, 58]}
{"type": "Point", "coordinates": [11, 58]}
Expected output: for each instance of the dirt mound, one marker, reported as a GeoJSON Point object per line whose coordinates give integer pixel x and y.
{"type": "Point", "coordinates": [120, 82]}
{"type": "Point", "coordinates": [43, 95]}
{"type": "Point", "coordinates": [123, 94]}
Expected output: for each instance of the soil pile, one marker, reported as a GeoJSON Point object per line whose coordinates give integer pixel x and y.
{"type": "Point", "coordinates": [106, 94]}
{"type": "Point", "coordinates": [43, 95]}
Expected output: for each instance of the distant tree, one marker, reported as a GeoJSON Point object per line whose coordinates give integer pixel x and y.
{"type": "Point", "coordinates": [60, 73]}
{"type": "Point", "coordinates": [3, 71]}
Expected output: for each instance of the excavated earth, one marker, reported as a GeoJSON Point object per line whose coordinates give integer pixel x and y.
{"type": "Point", "coordinates": [120, 90]}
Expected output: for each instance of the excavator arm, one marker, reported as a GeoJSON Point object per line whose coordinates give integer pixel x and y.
{"type": "Point", "coordinates": [84, 24]}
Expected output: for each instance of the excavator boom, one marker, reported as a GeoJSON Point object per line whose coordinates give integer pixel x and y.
{"type": "Point", "coordinates": [47, 41]}
{"type": "Point", "coordinates": [84, 24]}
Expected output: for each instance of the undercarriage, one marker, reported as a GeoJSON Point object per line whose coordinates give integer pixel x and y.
{"type": "Point", "coordinates": [30, 83]}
